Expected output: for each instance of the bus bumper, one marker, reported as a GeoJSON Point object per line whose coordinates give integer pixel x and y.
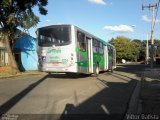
{"type": "Point", "coordinates": [58, 70]}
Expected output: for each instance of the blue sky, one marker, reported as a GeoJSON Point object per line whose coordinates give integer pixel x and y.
{"type": "Point", "coordinates": [103, 18]}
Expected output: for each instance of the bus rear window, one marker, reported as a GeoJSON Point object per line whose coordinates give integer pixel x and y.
{"type": "Point", "coordinates": [58, 36]}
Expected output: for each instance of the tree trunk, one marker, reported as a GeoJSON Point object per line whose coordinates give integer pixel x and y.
{"type": "Point", "coordinates": [13, 64]}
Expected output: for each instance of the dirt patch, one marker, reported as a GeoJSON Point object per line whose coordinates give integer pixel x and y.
{"type": "Point", "coordinates": [5, 69]}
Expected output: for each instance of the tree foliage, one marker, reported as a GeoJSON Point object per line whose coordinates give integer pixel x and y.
{"type": "Point", "coordinates": [142, 49]}
{"type": "Point", "coordinates": [157, 48]}
{"type": "Point", "coordinates": [126, 49]}
{"type": "Point", "coordinates": [134, 50]}
{"type": "Point", "coordinates": [19, 13]}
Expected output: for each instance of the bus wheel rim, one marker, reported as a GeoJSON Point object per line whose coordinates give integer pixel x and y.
{"type": "Point", "coordinates": [97, 70]}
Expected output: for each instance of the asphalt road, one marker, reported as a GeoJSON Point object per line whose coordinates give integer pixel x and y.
{"type": "Point", "coordinates": [64, 96]}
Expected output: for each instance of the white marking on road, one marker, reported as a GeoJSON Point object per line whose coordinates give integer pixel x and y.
{"type": "Point", "coordinates": [105, 109]}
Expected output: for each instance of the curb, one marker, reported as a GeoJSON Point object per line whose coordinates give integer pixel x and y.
{"type": "Point", "coordinates": [9, 76]}
{"type": "Point", "coordinates": [133, 106]}
{"type": "Point", "coordinates": [21, 74]}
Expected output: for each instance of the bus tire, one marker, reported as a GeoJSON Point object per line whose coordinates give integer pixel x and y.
{"type": "Point", "coordinates": [97, 70]}
{"type": "Point", "coordinates": [96, 73]}
{"type": "Point", "coordinates": [49, 73]}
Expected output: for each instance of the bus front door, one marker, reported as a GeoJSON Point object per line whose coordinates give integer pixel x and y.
{"type": "Point", "coordinates": [90, 54]}
{"type": "Point", "coordinates": [105, 58]}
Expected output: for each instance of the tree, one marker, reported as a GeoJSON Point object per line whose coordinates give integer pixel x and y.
{"type": "Point", "coordinates": [18, 13]}
{"type": "Point", "coordinates": [156, 48]}
{"type": "Point", "coordinates": [126, 49]}
{"type": "Point", "coordinates": [137, 48]}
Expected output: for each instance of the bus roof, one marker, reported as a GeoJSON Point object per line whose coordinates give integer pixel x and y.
{"type": "Point", "coordinates": [110, 44]}
{"type": "Point", "coordinates": [50, 26]}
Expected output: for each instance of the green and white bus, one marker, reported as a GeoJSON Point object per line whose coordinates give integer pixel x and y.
{"type": "Point", "coordinates": [69, 49]}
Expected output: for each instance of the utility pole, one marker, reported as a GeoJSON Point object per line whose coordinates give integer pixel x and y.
{"type": "Point", "coordinates": [151, 7]}
{"type": "Point", "coordinates": [147, 50]}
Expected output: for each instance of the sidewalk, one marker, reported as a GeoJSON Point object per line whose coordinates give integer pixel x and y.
{"type": "Point", "coordinates": [149, 101]}
{"type": "Point", "coordinates": [7, 75]}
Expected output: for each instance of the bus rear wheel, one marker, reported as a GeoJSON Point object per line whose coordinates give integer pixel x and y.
{"type": "Point", "coordinates": [96, 73]}
{"type": "Point", "coordinates": [97, 70]}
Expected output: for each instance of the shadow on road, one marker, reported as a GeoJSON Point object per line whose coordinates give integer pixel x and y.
{"type": "Point", "coordinates": [68, 75]}
{"type": "Point", "coordinates": [110, 103]}
{"type": "Point", "coordinates": [150, 97]}
{"type": "Point", "coordinates": [14, 100]}
{"type": "Point", "coordinates": [11, 102]}
{"type": "Point", "coordinates": [136, 69]}
{"type": "Point", "coordinates": [140, 69]}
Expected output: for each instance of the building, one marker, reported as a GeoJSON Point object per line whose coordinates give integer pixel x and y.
{"type": "Point", "coordinates": [25, 53]}
{"type": "Point", "coordinates": [4, 59]}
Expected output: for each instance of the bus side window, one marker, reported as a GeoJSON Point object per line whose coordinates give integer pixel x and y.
{"type": "Point", "coordinates": [101, 48]}
{"type": "Point", "coordinates": [81, 41]}
{"type": "Point", "coordinates": [101, 45]}
{"type": "Point", "coordinates": [96, 45]}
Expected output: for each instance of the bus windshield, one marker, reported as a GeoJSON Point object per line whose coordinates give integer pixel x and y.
{"type": "Point", "coordinates": [57, 36]}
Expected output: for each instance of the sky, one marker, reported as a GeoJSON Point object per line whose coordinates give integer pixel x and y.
{"type": "Point", "coordinates": [105, 19]}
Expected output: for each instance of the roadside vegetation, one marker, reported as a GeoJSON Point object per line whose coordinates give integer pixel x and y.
{"type": "Point", "coordinates": [132, 50]}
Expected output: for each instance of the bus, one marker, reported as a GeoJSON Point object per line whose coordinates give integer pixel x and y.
{"type": "Point", "coordinates": [69, 49]}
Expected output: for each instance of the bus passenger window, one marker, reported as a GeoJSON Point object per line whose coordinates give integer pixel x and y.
{"type": "Point", "coordinates": [101, 50]}
{"type": "Point", "coordinates": [96, 45]}
{"type": "Point", "coordinates": [81, 41]}
{"type": "Point", "coordinates": [101, 45]}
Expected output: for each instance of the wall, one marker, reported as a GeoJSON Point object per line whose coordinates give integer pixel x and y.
{"type": "Point", "coordinates": [26, 47]}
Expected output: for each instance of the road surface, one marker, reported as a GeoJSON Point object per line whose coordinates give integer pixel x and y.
{"type": "Point", "coordinates": [61, 96]}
